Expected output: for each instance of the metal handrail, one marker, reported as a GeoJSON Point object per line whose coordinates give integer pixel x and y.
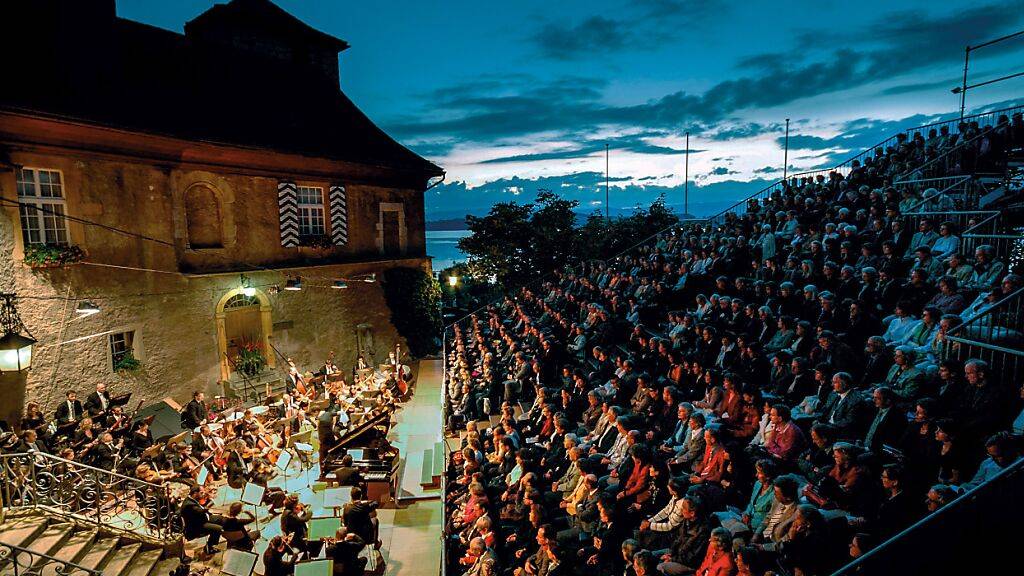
{"type": "Point", "coordinates": [957, 148]}
{"type": "Point", "coordinates": [958, 180]}
{"type": "Point", "coordinates": [38, 562]}
{"type": "Point", "coordinates": [935, 518]}
{"type": "Point", "coordinates": [1004, 301]}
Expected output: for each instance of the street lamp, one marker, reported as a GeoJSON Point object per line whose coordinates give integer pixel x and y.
{"type": "Point", "coordinates": [453, 281]}
{"type": "Point", "coordinates": [15, 349]}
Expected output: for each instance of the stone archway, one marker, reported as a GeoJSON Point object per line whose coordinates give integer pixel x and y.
{"type": "Point", "coordinates": [237, 313]}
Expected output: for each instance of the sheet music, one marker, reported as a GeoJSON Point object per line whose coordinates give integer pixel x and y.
{"type": "Point", "coordinates": [252, 494]}
{"type": "Point", "coordinates": [283, 460]}
{"type": "Point", "coordinates": [238, 562]}
{"type": "Point", "coordinates": [315, 568]}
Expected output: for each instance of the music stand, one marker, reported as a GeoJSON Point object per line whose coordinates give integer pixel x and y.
{"type": "Point", "coordinates": [239, 562]}
{"type": "Point", "coordinates": [252, 494]}
{"type": "Point", "coordinates": [304, 452]}
{"type": "Point", "coordinates": [176, 438]}
{"type": "Point", "coordinates": [314, 568]}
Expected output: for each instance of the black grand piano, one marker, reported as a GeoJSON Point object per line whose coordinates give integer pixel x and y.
{"type": "Point", "coordinates": [377, 459]}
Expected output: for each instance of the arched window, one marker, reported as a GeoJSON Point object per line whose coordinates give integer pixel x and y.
{"type": "Point", "coordinates": [203, 217]}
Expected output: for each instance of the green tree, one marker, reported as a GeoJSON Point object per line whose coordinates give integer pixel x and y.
{"type": "Point", "coordinates": [415, 302]}
{"type": "Point", "coordinates": [499, 246]}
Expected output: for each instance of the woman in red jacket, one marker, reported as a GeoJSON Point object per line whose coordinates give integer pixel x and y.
{"type": "Point", "coordinates": [718, 560]}
{"type": "Point", "coordinates": [713, 465]}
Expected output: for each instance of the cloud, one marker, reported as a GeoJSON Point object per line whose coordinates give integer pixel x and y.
{"type": "Point", "coordinates": [767, 170]}
{"type": "Point", "coordinates": [596, 33]}
{"type": "Point", "coordinates": [918, 87]}
{"type": "Point", "coordinates": [745, 130]}
{"type": "Point", "coordinates": [721, 171]}
{"type": "Point", "coordinates": [635, 143]}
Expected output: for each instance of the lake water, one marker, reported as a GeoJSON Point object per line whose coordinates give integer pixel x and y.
{"type": "Point", "coordinates": [443, 246]}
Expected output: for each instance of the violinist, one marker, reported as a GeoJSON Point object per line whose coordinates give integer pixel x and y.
{"type": "Point", "coordinates": [239, 537]}
{"type": "Point", "coordinates": [274, 562]}
{"type": "Point", "coordinates": [70, 410]}
{"type": "Point", "coordinates": [195, 413]}
{"type": "Point", "coordinates": [199, 522]}
{"type": "Point", "coordinates": [33, 418]}
{"type": "Point", "coordinates": [116, 419]}
{"type": "Point", "coordinates": [344, 549]}
{"type": "Point", "coordinates": [147, 473]}
{"type": "Point", "coordinates": [210, 448]}
{"type": "Point", "coordinates": [293, 522]}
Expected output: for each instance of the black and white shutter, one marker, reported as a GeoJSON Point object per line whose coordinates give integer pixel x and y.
{"type": "Point", "coordinates": [339, 215]}
{"type": "Point", "coordinates": [288, 211]}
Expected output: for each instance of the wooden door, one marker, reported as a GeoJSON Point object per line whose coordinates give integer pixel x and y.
{"type": "Point", "coordinates": [242, 324]}
{"type": "Point", "coordinates": [392, 238]}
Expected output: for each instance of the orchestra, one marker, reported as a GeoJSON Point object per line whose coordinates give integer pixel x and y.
{"type": "Point", "coordinates": [237, 445]}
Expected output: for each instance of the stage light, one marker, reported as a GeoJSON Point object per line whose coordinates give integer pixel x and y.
{"type": "Point", "coordinates": [370, 279]}
{"type": "Point", "coordinates": [293, 284]}
{"type": "Point", "coordinates": [247, 290]}
{"type": "Point", "coordinates": [86, 308]}
{"type": "Point", "coordinates": [339, 285]}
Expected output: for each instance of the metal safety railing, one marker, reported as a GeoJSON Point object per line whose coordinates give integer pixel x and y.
{"type": "Point", "coordinates": [18, 561]}
{"type": "Point", "coordinates": [994, 334]}
{"type": "Point", "coordinates": [72, 490]}
{"type": "Point", "coordinates": [954, 188]}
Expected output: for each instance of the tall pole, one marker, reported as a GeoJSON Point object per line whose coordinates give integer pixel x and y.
{"type": "Point", "coordinates": [963, 87]}
{"type": "Point", "coordinates": [607, 213]}
{"type": "Point", "coordinates": [686, 179]}
{"type": "Point", "coordinates": [785, 154]}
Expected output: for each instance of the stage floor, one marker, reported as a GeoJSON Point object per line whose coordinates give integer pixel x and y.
{"type": "Point", "coordinates": [410, 535]}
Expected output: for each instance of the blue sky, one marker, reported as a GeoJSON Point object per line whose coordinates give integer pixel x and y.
{"type": "Point", "coordinates": [510, 97]}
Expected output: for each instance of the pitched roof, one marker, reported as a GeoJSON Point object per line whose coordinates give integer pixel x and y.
{"type": "Point", "coordinates": [125, 74]}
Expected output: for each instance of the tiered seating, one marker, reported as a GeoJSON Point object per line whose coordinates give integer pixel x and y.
{"type": "Point", "coordinates": [744, 383]}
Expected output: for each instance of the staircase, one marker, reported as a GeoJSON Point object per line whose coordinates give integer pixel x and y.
{"type": "Point", "coordinates": [237, 384]}
{"type": "Point", "coordinates": [35, 543]}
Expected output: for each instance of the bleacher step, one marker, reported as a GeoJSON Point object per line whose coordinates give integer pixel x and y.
{"type": "Point", "coordinates": [437, 463]}
{"type": "Point", "coordinates": [77, 545]}
{"type": "Point", "coordinates": [427, 468]}
{"type": "Point", "coordinates": [165, 567]}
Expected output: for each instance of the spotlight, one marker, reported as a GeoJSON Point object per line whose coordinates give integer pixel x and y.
{"type": "Point", "coordinates": [247, 290]}
{"type": "Point", "coordinates": [453, 281]}
{"type": "Point", "coordinates": [339, 285]}
{"type": "Point", "coordinates": [293, 284]}
{"type": "Point", "coordinates": [370, 279]}
{"type": "Point", "coordinates": [86, 308]}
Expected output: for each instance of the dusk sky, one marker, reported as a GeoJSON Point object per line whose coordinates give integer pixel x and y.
{"type": "Point", "coordinates": [510, 97]}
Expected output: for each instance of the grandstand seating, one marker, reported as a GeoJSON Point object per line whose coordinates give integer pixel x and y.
{"type": "Point", "coordinates": [820, 344]}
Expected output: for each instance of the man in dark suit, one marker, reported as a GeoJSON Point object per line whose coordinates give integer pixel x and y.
{"type": "Point", "coordinates": [194, 413]}
{"type": "Point", "coordinates": [877, 361]}
{"type": "Point", "coordinates": [30, 441]}
{"type": "Point", "coordinates": [199, 522]}
{"type": "Point", "coordinates": [888, 424]}
{"type": "Point", "coordinates": [345, 552]}
{"type": "Point", "coordinates": [845, 406]}
{"type": "Point", "coordinates": [70, 410]}
{"type": "Point", "coordinates": [347, 474]}
{"type": "Point", "coordinates": [360, 517]}
{"type": "Point", "coordinates": [105, 454]}
{"type": "Point", "coordinates": [98, 401]}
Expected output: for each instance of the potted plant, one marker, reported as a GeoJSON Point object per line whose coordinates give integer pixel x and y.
{"type": "Point", "coordinates": [319, 243]}
{"type": "Point", "coordinates": [52, 255]}
{"type": "Point", "coordinates": [250, 358]}
{"type": "Point", "coordinates": [127, 363]}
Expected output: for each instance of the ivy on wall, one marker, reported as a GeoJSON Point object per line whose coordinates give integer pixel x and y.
{"type": "Point", "coordinates": [414, 299]}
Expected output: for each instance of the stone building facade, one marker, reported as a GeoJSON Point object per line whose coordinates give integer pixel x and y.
{"type": "Point", "coordinates": [197, 193]}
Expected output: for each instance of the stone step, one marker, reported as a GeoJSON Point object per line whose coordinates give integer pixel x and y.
{"type": "Point", "coordinates": [98, 553]}
{"type": "Point", "coordinates": [438, 463]}
{"type": "Point", "coordinates": [21, 531]}
{"type": "Point", "coordinates": [145, 563]}
{"type": "Point", "coordinates": [120, 560]}
{"type": "Point", "coordinates": [427, 468]}
{"type": "Point", "coordinates": [165, 567]}
{"type": "Point", "coordinates": [46, 542]}
{"type": "Point", "coordinates": [77, 545]}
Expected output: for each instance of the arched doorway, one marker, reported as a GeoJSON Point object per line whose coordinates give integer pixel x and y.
{"type": "Point", "coordinates": [241, 318]}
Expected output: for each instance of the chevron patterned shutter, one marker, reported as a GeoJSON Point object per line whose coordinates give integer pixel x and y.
{"type": "Point", "coordinates": [339, 215]}
{"type": "Point", "coordinates": [288, 211]}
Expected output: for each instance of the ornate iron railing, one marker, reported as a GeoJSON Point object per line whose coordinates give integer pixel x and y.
{"type": "Point", "coordinates": [20, 561]}
{"type": "Point", "coordinates": [68, 489]}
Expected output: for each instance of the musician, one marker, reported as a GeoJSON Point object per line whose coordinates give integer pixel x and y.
{"type": "Point", "coordinates": [198, 520]}
{"type": "Point", "coordinates": [325, 429]}
{"type": "Point", "coordinates": [239, 537]}
{"type": "Point", "coordinates": [360, 517]}
{"type": "Point", "coordinates": [206, 445]}
{"type": "Point", "coordinates": [141, 439]}
{"type": "Point", "coordinates": [33, 418]}
{"type": "Point", "coordinates": [98, 402]}
{"type": "Point", "coordinates": [329, 366]}
{"type": "Point", "coordinates": [274, 563]}
{"type": "Point", "coordinates": [117, 420]}
{"type": "Point", "coordinates": [106, 454]}
{"type": "Point", "coordinates": [344, 549]}
{"type": "Point", "coordinates": [84, 434]}
{"type": "Point", "coordinates": [30, 441]}
{"type": "Point", "coordinates": [393, 361]}
{"type": "Point", "coordinates": [71, 410]}
{"type": "Point", "coordinates": [195, 413]}
{"type": "Point", "coordinates": [294, 379]}
{"type": "Point", "coordinates": [293, 522]}
{"type": "Point", "coordinates": [347, 474]}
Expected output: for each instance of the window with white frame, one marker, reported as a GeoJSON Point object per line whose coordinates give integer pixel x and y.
{"type": "Point", "coordinates": [311, 211]}
{"type": "Point", "coordinates": [42, 206]}
{"type": "Point", "coordinates": [121, 345]}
